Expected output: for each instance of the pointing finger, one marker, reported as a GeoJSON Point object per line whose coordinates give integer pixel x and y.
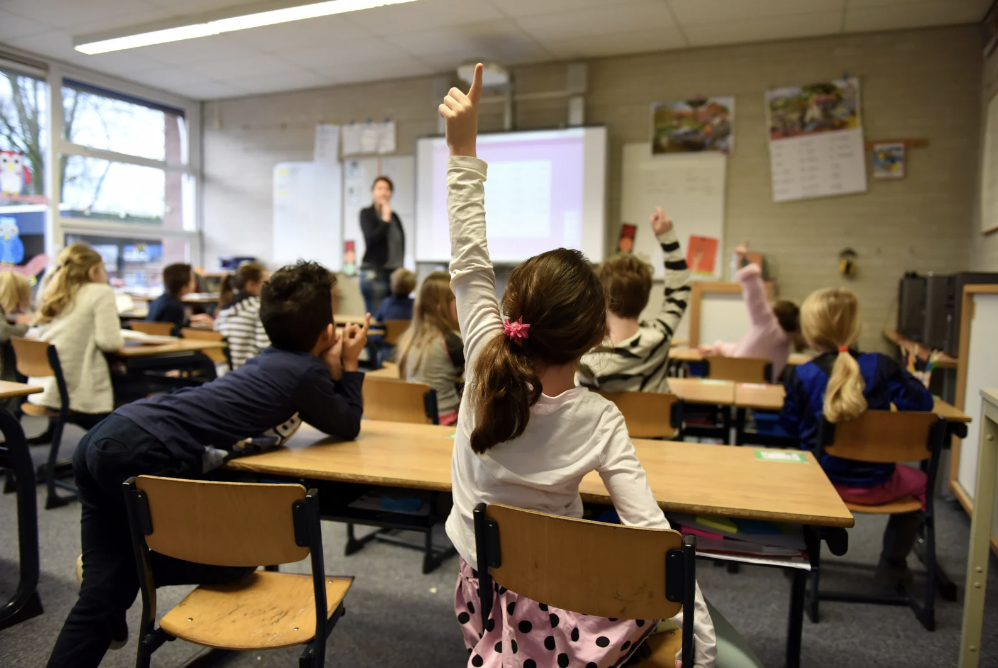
{"type": "Point", "coordinates": [475, 92]}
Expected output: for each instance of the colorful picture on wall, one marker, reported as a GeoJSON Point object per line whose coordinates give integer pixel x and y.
{"type": "Point", "coordinates": [625, 244]}
{"type": "Point", "coordinates": [701, 254]}
{"type": "Point", "coordinates": [690, 126]}
{"type": "Point", "coordinates": [806, 110]}
{"type": "Point", "coordinates": [888, 161]}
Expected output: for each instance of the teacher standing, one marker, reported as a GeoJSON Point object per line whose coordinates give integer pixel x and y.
{"type": "Point", "coordinates": [385, 244]}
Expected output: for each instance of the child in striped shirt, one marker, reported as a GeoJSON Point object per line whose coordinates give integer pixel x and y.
{"type": "Point", "coordinates": [239, 317]}
{"type": "Point", "coordinates": [638, 352]}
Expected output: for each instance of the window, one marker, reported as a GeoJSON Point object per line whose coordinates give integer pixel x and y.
{"type": "Point", "coordinates": [23, 138]}
{"type": "Point", "coordinates": [136, 264]}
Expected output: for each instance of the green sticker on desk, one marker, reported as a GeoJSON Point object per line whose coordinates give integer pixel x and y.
{"type": "Point", "coordinates": [453, 435]}
{"type": "Point", "coordinates": [780, 456]}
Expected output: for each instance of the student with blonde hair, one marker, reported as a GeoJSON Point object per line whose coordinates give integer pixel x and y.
{"type": "Point", "coordinates": [78, 315]}
{"type": "Point", "coordinates": [15, 298]}
{"type": "Point", "coordinates": [841, 383]}
{"type": "Point", "coordinates": [431, 350]}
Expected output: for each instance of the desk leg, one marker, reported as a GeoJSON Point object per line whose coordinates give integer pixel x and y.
{"type": "Point", "coordinates": [980, 538]}
{"type": "Point", "coordinates": [796, 624]}
{"type": "Point", "coordinates": [25, 604]}
{"type": "Point", "coordinates": [740, 418]}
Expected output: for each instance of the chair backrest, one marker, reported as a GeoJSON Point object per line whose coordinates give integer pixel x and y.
{"type": "Point", "coordinates": [883, 437]}
{"type": "Point", "coordinates": [394, 330]}
{"type": "Point", "coordinates": [593, 568]}
{"type": "Point", "coordinates": [399, 401]}
{"type": "Point", "coordinates": [222, 523]}
{"type": "Point", "coordinates": [152, 328]}
{"type": "Point", "coordinates": [738, 369]}
{"type": "Point", "coordinates": [216, 355]}
{"type": "Point", "coordinates": [648, 414]}
{"type": "Point", "coordinates": [32, 357]}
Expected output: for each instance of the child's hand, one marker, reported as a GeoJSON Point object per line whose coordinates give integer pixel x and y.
{"type": "Point", "coordinates": [660, 223]}
{"type": "Point", "coordinates": [705, 349]}
{"type": "Point", "coordinates": [333, 358]}
{"type": "Point", "coordinates": [353, 341]}
{"type": "Point", "coordinates": [461, 113]}
{"type": "Point", "coordinates": [202, 319]}
{"type": "Point", "coordinates": [741, 251]}
{"type": "Point", "coordinates": [23, 319]}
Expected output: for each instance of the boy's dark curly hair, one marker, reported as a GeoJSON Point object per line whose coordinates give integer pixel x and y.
{"type": "Point", "coordinates": [296, 305]}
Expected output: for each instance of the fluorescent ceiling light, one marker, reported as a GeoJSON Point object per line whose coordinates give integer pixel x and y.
{"type": "Point", "coordinates": [218, 26]}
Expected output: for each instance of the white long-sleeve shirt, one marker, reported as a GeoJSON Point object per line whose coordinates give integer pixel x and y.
{"type": "Point", "coordinates": [566, 437]}
{"type": "Point", "coordinates": [86, 329]}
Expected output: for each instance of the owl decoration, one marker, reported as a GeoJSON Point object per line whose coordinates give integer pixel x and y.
{"type": "Point", "coordinates": [11, 246]}
{"type": "Point", "coordinates": [14, 174]}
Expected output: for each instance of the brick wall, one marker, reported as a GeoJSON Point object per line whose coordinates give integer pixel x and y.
{"type": "Point", "coordinates": [914, 84]}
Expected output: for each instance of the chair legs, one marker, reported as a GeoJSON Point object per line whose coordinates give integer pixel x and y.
{"type": "Point", "coordinates": [53, 500]}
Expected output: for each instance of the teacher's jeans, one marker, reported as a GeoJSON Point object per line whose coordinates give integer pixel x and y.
{"type": "Point", "coordinates": [374, 286]}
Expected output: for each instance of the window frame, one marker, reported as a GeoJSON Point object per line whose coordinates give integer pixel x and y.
{"type": "Point", "coordinates": [56, 74]}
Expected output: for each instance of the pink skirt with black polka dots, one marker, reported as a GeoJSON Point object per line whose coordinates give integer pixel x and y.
{"type": "Point", "coordinates": [522, 633]}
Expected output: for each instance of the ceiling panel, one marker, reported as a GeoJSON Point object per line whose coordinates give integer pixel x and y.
{"type": "Point", "coordinates": [865, 18]}
{"type": "Point", "coordinates": [210, 91]}
{"type": "Point", "coordinates": [520, 8]}
{"type": "Point", "coordinates": [692, 12]}
{"type": "Point", "coordinates": [336, 56]}
{"type": "Point", "coordinates": [446, 48]}
{"type": "Point", "coordinates": [635, 41]}
{"type": "Point", "coordinates": [203, 49]}
{"type": "Point", "coordinates": [241, 68]}
{"type": "Point", "coordinates": [764, 29]}
{"type": "Point", "coordinates": [86, 15]}
{"type": "Point", "coordinates": [121, 63]}
{"type": "Point", "coordinates": [301, 34]}
{"type": "Point", "coordinates": [379, 71]}
{"type": "Point", "coordinates": [275, 83]}
{"type": "Point", "coordinates": [598, 20]}
{"type": "Point", "coordinates": [424, 15]}
{"type": "Point", "coordinates": [13, 26]}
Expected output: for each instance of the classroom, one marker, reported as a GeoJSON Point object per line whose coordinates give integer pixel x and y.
{"type": "Point", "coordinates": [711, 383]}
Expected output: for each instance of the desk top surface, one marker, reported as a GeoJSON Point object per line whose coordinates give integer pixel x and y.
{"type": "Point", "coordinates": [895, 337]}
{"type": "Point", "coordinates": [9, 390]}
{"type": "Point", "coordinates": [178, 346]}
{"type": "Point", "coordinates": [686, 477]}
{"type": "Point", "coordinates": [682, 354]}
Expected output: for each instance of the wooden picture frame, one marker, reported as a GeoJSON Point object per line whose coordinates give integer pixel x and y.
{"type": "Point", "coordinates": [703, 288]}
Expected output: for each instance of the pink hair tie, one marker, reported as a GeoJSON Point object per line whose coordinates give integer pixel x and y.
{"type": "Point", "coordinates": [516, 331]}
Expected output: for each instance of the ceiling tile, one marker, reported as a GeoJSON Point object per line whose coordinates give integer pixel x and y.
{"type": "Point", "coordinates": [376, 71]}
{"type": "Point", "coordinates": [692, 12]}
{"type": "Point", "coordinates": [896, 16]}
{"type": "Point", "coordinates": [203, 49]}
{"type": "Point", "coordinates": [116, 62]}
{"type": "Point", "coordinates": [763, 29]}
{"type": "Point", "coordinates": [195, 7]}
{"type": "Point", "coordinates": [86, 15]}
{"type": "Point", "coordinates": [446, 48]}
{"type": "Point", "coordinates": [301, 34]}
{"type": "Point", "coordinates": [54, 44]}
{"type": "Point", "coordinates": [636, 41]}
{"type": "Point", "coordinates": [597, 20]}
{"type": "Point", "coordinates": [209, 91]}
{"type": "Point", "coordinates": [242, 68]}
{"type": "Point", "coordinates": [275, 83]}
{"type": "Point", "coordinates": [171, 78]}
{"type": "Point", "coordinates": [424, 15]}
{"type": "Point", "coordinates": [13, 26]}
{"type": "Point", "coordinates": [520, 8]}
{"type": "Point", "coordinates": [337, 54]}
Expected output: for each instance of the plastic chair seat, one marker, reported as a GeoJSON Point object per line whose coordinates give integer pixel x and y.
{"type": "Point", "coordinates": [34, 410]}
{"type": "Point", "coordinates": [267, 610]}
{"type": "Point", "coordinates": [906, 504]}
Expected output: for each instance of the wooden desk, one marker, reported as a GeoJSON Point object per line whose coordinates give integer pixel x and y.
{"type": "Point", "coordinates": [178, 346]}
{"type": "Point", "coordinates": [14, 455]}
{"type": "Point", "coordinates": [699, 391]}
{"type": "Point", "coordinates": [921, 352]}
{"type": "Point", "coordinates": [201, 298]}
{"type": "Point", "coordinates": [385, 373]}
{"type": "Point", "coordinates": [681, 354]}
{"type": "Point", "coordinates": [980, 533]}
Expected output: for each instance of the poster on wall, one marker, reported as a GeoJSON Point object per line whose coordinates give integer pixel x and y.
{"type": "Point", "coordinates": [691, 126]}
{"type": "Point", "coordinates": [16, 183]}
{"type": "Point", "coordinates": [888, 160]}
{"type": "Point", "coordinates": [370, 138]}
{"type": "Point", "coordinates": [816, 140]}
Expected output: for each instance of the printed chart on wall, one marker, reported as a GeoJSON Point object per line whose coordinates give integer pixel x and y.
{"type": "Point", "coordinates": [816, 140]}
{"type": "Point", "coordinates": [358, 177]}
{"type": "Point", "coordinates": [989, 169]}
{"type": "Point", "coordinates": [690, 189]}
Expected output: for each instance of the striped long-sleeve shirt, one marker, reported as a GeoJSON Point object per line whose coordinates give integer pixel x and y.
{"type": "Point", "coordinates": [240, 323]}
{"type": "Point", "coordinates": [638, 363]}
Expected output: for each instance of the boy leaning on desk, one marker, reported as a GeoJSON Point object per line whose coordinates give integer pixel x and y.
{"type": "Point", "coordinates": [310, 374]}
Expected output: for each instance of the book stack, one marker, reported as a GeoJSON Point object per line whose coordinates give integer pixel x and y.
{"type": "Point", "coordinates": [748, 541]}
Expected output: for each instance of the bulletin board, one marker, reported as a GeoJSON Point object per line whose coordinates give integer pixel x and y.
{"type": "Point", "coordinates": [358, 177]}
{"type": "Point", "coordinates": [690, 188]}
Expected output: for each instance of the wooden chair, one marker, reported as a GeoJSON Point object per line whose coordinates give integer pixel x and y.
{"type": "Point", "coordinates": [400, 401]}
{"type": "Point", "coordinates": [888, 437]}
{"type": "Point", "coordinates": [39, 359]}
{"type": "Point", "coordinates": [237, 525]}
{"type": "Point", "coordinates": [394, 329]}
{"type": "Point", "coordinates": [152, 328]}
{"type": "Point", "coordinates": [649, 414]}
{"type": "Point", "coordinates": [593, 568]}
{"type": "Point", "coordinates": [216, 355]}
{"type": "Point", "coordinates": [738, 369]}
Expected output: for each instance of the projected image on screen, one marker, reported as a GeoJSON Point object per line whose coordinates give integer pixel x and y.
{"type": "Point", "coordinates": [544, 190]}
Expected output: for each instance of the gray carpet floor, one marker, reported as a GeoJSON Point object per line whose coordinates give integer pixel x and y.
{"type": "Point", "coordinates": [397, 617]}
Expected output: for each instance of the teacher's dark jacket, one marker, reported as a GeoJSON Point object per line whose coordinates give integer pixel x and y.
{"type": "Point", "coordinates": [376, 237]}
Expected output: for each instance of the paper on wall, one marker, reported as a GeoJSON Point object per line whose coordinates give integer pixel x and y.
{"type": "Point", "coordinates": [327, 143]}
{"type": "Point", "coordinates": [368, 138]}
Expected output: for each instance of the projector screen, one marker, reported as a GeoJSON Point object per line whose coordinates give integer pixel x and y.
{"type": "Point", "coordinates": [545, 190]}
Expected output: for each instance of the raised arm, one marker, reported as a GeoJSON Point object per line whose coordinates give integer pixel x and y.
{"type": "Point", "coordinates": [753, 289]}
{"type": "Point", "coordinates": [472, 277]}
{"type": "Point", "coordinates": [677, 274]}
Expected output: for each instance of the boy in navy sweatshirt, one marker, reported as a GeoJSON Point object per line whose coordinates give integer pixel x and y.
{"type": "Point", "coordinates": [309, 374]}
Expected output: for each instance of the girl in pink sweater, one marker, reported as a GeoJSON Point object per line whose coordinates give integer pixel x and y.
{"type": "Point", "coordinates": [775, 328]}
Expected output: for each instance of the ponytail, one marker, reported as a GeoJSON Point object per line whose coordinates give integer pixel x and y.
{"type": "Point", "coordinates": [72, 271]}
{"type": "Point", "coordinates": [505, 387]}
{"type": "Point", "coordinates": [844, 398]}
{"type": "Point", "coordinates": [226, 293]}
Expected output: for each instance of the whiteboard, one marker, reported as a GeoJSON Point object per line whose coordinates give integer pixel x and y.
{"type": "Point", "coordinates": [723, 317]}
{"type": "Point", "coordinates": [307, 213]}
{"type": "Point", "coordinates": [982, 372]}
{"type": "Point", "coordinates": [989, 169]}
{"type": "Point", "coordinates": [358, 177]}
{"type": "Point", "coordinates": [688, 186]}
